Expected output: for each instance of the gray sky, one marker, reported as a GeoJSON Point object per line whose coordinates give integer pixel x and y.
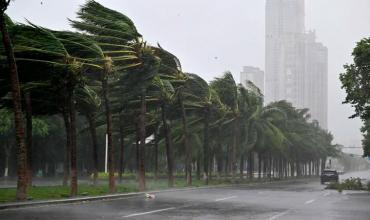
{"type": "Point", "coordinates": [231, 30]}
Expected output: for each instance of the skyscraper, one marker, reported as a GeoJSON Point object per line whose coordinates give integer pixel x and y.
{"type": "Point", "coordinates": [296, 65]}
{"type": "Point", "coordinates": [255, 75]}
{"type": "Point", "coordinates": [316, 79]}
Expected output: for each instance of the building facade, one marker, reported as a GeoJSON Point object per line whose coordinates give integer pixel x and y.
{"type": "Point", "coordinates": [296, 65]}
{"type": "Point", "coordinates": [255, 75]}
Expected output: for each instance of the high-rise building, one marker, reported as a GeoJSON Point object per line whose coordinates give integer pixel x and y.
{"type": "Point", "coordinates": [255, 75]}
{"type": "Point", "coordinates": [316, 79]}
{"type": "Point", "coordinates": [296, 65]}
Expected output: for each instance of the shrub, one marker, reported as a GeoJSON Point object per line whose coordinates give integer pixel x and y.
{"type": "Point", "coordinates": [368, 186]}
{"type": "Point", "coordinates": [348, 184]}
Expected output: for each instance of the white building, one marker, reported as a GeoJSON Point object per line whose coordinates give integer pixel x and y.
{"type": "Point", "coordinates": [296, 65]}
{"type": "Point", "coordinates": [316, 80]}
{"type": "Point", "coordinates": [255, 75]}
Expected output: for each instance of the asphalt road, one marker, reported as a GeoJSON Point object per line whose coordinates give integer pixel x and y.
{"type": "Point", "coordinates": [294, 200]}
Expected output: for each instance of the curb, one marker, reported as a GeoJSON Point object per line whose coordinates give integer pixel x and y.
{"type": "Point", "coordinates": [17, 205]}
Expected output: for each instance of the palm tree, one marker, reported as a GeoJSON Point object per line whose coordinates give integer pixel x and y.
{"type": "Point", "coordinates": [36, 46]}
{"type": "Point", "coordinates": [227, 90]}
{"type": "Point", "coordinates": [166, 98]}
{"type": "Point", "coordinates": [114, 32]}
{"type": "Point", "coordinates": [204, 102]}
{"type": "Point", "coordinates": [88, 104]}
{"type": "Point", "coordinates": [16, 96]}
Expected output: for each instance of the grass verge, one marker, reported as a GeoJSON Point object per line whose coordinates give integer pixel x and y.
{"type": "Point", "coordinates": [58, 192]}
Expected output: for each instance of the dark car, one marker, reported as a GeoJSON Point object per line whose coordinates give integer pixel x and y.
{"type": "Point", "coordinates": [329, 176]}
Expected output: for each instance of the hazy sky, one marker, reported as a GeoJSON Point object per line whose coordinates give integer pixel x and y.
{"type": "Point", "coordinates": [211, 36]}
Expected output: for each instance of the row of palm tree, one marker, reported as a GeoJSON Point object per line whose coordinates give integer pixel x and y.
{"type": "Point", "coordinates": [106, 72]}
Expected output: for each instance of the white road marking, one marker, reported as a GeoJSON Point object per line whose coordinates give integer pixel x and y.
{"type": "Point", "coordinates": [309, 201]}
{"type": "Point", "coordinates": [326, 194]}
{"type": "Point", "coordinates": [146, 213]}
{"type": "Point", "coordinates": [222, 199]}
{"type": "Point", "coordinates": [278, 215]}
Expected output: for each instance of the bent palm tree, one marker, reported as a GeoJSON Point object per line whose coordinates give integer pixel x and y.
{"type": "Point", "coordinates": [16, 96]}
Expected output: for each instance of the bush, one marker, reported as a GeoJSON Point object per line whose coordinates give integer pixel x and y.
{"type": "Point", "coordinates": [368, 186]}
{"type": "Point", "coordinates": [348, 184]}
{"type": "Point", "coordinates": [352, 184]}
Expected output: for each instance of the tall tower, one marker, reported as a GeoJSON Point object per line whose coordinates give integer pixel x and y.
{"type": "Point", "coordinates": [285, 28]}
{"type": "Point", "coordinates": [296, 65]}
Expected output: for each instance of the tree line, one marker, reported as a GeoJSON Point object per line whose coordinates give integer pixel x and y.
{"type": "Point", "coordinates": [105, 79]}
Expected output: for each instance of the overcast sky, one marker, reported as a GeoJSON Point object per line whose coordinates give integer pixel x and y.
{"type": "Point", "coordinates": [211, 36]}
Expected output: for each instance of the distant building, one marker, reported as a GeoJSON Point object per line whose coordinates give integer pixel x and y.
{"type": "Point", "coordinates": [296, 65]}
{"type": "Point", "coordinates": [316, 80]}
{"type": "Point", "coordinates": [255, 75]}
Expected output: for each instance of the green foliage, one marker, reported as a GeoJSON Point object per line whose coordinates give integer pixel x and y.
{"type": "Point", "coordinates": [356, 82]}
{"type": "Point", "coordinates": [5, 121]}
{"type": "Point", "coordinates": [39, 126]}
{"type": "Point", "coordinates": [347, 184]}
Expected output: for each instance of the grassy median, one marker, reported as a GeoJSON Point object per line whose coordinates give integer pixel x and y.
{"type": "Point", "coordinates": [58, 192]}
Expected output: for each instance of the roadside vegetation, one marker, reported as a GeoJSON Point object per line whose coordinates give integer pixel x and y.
{"type": "Point", "coordinates": [65, 94]}
{"type": "Point", "coordinates": [356, 82]}
{"type": "Point", "coordinates": [349, 184]}
{"type": "Point", "coordinates": [129, 186]}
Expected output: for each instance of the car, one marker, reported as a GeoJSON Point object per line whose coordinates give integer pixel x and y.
{"type": "Point", "coordinates": [329, 176]}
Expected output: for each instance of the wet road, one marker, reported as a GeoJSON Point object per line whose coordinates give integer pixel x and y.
{"type": "Point", "coordinates": [284, 200]}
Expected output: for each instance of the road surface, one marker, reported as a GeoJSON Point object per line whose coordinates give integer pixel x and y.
{"type": "Point", "coordinates": [284, 200]}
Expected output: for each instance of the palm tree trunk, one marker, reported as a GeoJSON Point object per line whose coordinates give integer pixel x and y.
{"type": "Point", "coordinates": [18, 115]}
{"type": "Point", "coordinates": [198, 165]}
{"type": "Point", "coordinates": [206, 145]}
{"type": "Point", "coordinates": [250, 170]}
{"type": "Point", "coordinates": [156, 143]}
{"type": "Point", "coordinates": [108, 113]}
{"type": "Point", "coordinates": [67, 125]}
{"type": "Point", "coordinates": [219, 154]}
{"type": "Point", "coordinates": [241, 167]}
{"type": "Point", "coordinates": [270, 167]}
{"type": "Point", "coordinates": [233, 149]}
{"type": "Point", "coordinates": [7, 156]}
{"type": "Point", "coordinates": [27, 97]}
{"type": "Point", "coordinates": [73, 154]}
{"type": "Point", "coordinates": [227, 161]}
{"type": "Point", "coordinates": [137, 142]}
{"type": "Point", "coordinates": [265, 165]}
{"type": "Point", "coordinates": [122, 152]}
{"type": "Point", "coordinates": [259, 165]}
{"type": "Point", "coordinates": [323, 163]}
{"type": "Point", "coordinates": [188, 147]}
{"type": "Point", "coordinates": [168, 138]}
{"type": "Point", "coordinates": [142, 136]}
{"type": "Point", "coordinates": [92, 128]}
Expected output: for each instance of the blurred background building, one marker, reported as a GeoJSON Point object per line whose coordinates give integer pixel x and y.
{"type": "Point", "coordinates": [296, 65]}
{"type": "Point", "coordinates": [255, 75]}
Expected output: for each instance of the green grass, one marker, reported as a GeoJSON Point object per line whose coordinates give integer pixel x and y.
{"type": "Point", "coordinates": [148, 175]}
{"type": "Point", "coordinates": [58, 192]}
{"type": "Point", "coordinates": [128, 185]}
